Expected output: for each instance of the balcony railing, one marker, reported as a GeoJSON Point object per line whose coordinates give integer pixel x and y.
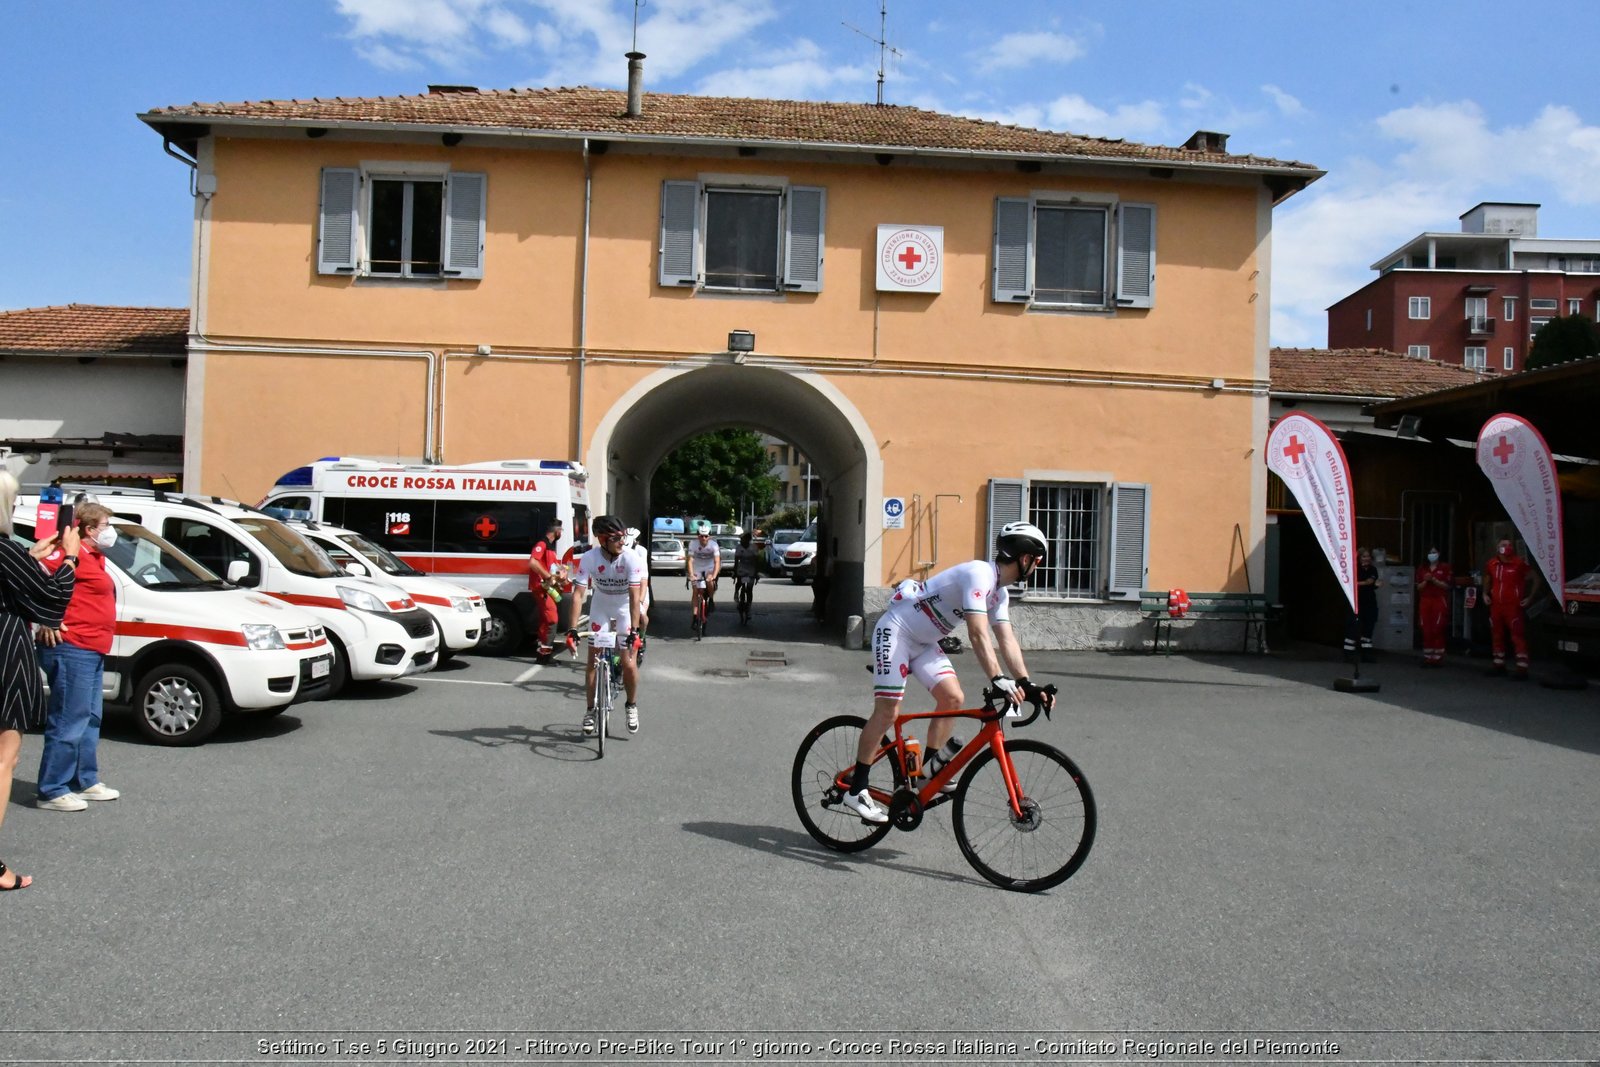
{"type": "Point", "coordinates": [1480, 326]}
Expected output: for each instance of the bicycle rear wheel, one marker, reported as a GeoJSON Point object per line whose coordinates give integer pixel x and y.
{"type": "Point", "coordinates": [1051, 840]}
{"type": "Point", "coordinates": [826, 757]}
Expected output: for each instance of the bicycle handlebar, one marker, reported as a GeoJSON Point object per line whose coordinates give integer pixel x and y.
{"type": "Point", "coordinates": [995, 701]}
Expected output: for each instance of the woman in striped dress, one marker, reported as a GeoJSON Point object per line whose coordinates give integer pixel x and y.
{"type": "Point", "coordinates": [28, 595]}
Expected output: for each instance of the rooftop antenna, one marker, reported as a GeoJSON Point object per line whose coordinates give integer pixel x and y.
{"type": "Point", "coordinates": [637, 4]}
{"type": "Point", "coordinates": [882, 41]}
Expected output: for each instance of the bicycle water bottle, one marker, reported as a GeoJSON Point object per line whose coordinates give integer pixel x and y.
{"type": "Point", "coordinates": [913, 757]}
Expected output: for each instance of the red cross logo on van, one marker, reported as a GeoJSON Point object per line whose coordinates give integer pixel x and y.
{"type": "Point", "coordinates": [485, 527]}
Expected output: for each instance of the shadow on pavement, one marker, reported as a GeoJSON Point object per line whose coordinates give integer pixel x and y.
{"type": "Point", "coordinates": [794, 845]}
{"type": "Point", "coordinates": [1458, 691]}
{"type": "Point", "coordinates": [563, 742]}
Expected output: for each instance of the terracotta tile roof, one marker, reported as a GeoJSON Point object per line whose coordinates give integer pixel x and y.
{"type": "Point", "coordinates": [601, 112]}
{"type": "Point", "coordinates": [77, 328]}
{"type": "Point", "coordinates": [1362, 372]}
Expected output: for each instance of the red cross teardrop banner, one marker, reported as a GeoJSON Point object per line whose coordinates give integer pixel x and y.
{"type": "Point", "coordinates": [1518, 463]}
{"type": "Point", "coordinates": [1305, 454]}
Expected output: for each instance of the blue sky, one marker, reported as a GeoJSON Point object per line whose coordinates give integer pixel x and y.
{"type": "Point", "coordinates": [1417, 110]}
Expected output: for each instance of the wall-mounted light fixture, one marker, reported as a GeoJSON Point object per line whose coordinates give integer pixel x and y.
{"type": "Point", "coordinates": [741, 342]}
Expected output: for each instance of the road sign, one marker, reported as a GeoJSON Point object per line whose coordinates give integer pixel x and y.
{"type": "Point", "coordinates": [894, 512]}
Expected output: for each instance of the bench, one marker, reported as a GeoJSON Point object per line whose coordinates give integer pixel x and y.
{"type": "Point", "coordinates": [1251, 609]}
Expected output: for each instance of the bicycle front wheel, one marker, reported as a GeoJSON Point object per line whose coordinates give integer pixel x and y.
{"type": "Point", "coordinates": [1052, 838]}
{"type": "Point", "coordinates": [822, 767]}
{"type": "Point", "coordinates": [602, 705]}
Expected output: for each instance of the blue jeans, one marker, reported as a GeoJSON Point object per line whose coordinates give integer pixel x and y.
{"type": "Point", "coordinates": [72, 733]}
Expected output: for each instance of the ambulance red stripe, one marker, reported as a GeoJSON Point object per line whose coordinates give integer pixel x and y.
{"type": "Point", "coordinates": [309, 601]}
{"type": "Point", "coordinates": [199, 634]}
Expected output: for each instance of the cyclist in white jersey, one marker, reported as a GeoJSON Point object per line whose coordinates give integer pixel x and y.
{"type": "Point", "coordinates": [905, 643]}
{"type": "Point", "coordinates": [705, 561]}
{"type": "Point", "coordinates": [617, 579]}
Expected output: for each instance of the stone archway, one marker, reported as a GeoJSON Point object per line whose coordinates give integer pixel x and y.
{"type": "Point", "coordinates": [670, 406]}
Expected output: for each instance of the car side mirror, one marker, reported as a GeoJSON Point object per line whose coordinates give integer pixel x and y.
{"type": "Point", "coordinates": [239, 573]}
{"type": "Point", "coordinates": [355, 569]}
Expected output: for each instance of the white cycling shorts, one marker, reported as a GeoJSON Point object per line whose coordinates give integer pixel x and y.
{"type": "Point", "coordinates": [896, 656]}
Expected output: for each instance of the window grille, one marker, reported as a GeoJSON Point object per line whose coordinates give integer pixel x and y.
{"type": "Point", "coordinates": [1069, 515]}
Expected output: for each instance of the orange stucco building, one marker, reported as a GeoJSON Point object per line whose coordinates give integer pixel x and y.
{"type": "Point", "coordinates": [465, 275]}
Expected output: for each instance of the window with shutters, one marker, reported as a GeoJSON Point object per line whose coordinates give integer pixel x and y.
{"type": "Point", "coordinates": [763, 237]}
{"type": "Point", "coordinates": [1099, 534]}
{"type": "Point", "coordinates": [399, 220]}
{"type": "Point", "coordinates": [1074, 252]}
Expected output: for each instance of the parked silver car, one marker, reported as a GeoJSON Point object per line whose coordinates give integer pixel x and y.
{"type": "Point", "coordinates": [780, 540]}
{"type": "Point", "coordinates": [666, 555]}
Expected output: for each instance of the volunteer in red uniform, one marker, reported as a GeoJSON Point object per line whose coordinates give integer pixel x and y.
{"type": "Point", "coordinates": [1433, 607]}
{"type": "Point", "coordinates": [1506, 589]}
{"type": "Point", "coordinates": [74, 662]}
{"type": "Point", "coordinates": [543, 565]}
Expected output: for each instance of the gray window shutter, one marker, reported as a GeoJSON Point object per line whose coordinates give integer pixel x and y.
{"type": "Point", "coordinates": [1136, 255]}
{"type": "Point", "coordinates": [336, 227]}
{"type": "Point", "coordinates": [1130, 539]}
{"type": "Point", "coordinates": [1013, 251]}
{"type": "Point", "coordinates": [464, 217]}
{"type": "Point", "coordinates": [1006, 504]}
{"type": "Point", "coordinates": [680, 232]}
{"type": "Point", "coordinates": [802, 260]}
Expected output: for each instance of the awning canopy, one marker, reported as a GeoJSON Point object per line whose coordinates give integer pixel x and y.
{"type": "Point", "coordinates": [1562, 402]}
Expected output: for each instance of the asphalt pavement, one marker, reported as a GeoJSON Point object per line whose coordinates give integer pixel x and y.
{"type": "Point", "coordinates": [1408, 874]}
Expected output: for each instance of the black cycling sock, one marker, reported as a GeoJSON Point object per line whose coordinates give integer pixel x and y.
{"type": "Point", "coordinates": [859, 782]}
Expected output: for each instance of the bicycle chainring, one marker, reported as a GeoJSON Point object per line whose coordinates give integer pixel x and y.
{"type": "Point", "coordinates": [905, 809]}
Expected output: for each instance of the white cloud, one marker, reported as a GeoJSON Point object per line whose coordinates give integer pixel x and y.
{"type": "Point", "coordinates": [385, 58]}
{"type": "Point", "coordinates": [1074, 114]}
{"type": "Point", "coordinates": [800, 73]}
{"type": "Point", "coordinates": [1016, 50]}
{"type": "Point", "coordinates": [1448, 157]}
{"type": "Point", "coordinates": [589, 37]}
{"type": "Point", "coordinates": [508, 30]}
{"type": "Point", "coordinates": [1287, 105]}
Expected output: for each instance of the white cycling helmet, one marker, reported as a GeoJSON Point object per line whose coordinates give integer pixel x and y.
{"type": "Point", "coordinates": [1019, 538]}
{"type": "Point", "coordinates": [702, 527]}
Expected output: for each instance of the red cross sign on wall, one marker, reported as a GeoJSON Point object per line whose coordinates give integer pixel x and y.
{"type": "Point", "coordinates": [909, 257]}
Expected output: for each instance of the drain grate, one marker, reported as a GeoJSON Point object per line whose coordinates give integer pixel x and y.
{"type": "Point", "coordinates": [725, 672]}
{"type": "Point", "coordinates": [767, 657]}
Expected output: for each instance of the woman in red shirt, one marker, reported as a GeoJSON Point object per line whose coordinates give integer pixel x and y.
{"type": "Point", "coordinates": [74, 662]}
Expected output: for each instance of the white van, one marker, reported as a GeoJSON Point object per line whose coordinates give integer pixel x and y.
{"type": "Point", "coordinates": [462, 615]}
{"type": "Point", "coordinates": [377, 632]}
{"type": "Point", "coordinates": [472, 523]}
{"type": "Point", "coordinates": [190, 649]}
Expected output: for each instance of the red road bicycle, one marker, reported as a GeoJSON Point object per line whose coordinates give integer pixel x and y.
{"type": "Point", "coordinates": [698, 612]}
{"type": "Point", "coordinates": [1023, 813]}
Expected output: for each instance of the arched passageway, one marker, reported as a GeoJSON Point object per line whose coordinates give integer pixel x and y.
{"type": "Point", "coordinates": [671, 406]}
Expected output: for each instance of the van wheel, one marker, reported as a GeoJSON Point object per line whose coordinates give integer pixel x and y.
{"type": "Point", "coordinates": [338, 670]}
{"type": "Point", "coordinates": [503, 633]}
{"type": "Point", "coordinates": [176, 704]}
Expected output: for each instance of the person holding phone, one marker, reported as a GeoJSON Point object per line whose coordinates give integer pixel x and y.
{"type": "Point", "coordinates": [74, 660]}
{"type": "Point", "coordinates": [28, 595]}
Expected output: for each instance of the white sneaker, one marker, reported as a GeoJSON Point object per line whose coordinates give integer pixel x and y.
{"type": "Point", "coordinates": [589, 725]}
{"type": "Point", "coordinates": [64, 802]}
{"type": "Point", "coordinates": [863, 805]}
{"type": "Point", "coordinates": [99, 791]}
{"type": "Point", "coordinates": [633, 718]}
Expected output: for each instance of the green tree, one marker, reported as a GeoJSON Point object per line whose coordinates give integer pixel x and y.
{"type": "Point", "coordinates": [1562, 339]}
{"type": "Point", "coordinates": [789, 517]}
{"type": "Point", "coordinates": [713, 475]}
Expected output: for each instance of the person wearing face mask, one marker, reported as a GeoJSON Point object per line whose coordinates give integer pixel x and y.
{"type": "Point", "coordinates": [1506, 589]}
{"type": "Point", "coordinates": [543, 566]}
{"type": "Point", "coordinates": [73, 658]}
{"type": "Point", "coordinates": [1433, 607]}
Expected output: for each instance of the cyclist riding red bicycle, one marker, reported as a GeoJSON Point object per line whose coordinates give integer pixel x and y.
{"type": "Point", "coordinates": [704, 565]}
{"type": "Point", "coordinates": [617, 578]}
{"type": "Point", "coordinates": [905, 642]}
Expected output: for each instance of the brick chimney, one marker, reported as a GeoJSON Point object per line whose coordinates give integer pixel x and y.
{"type": "Point", "coordinates": [1207, 141]}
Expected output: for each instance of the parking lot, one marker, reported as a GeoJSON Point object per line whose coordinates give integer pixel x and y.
{"type": "Point", "coordinates": [447, 854]}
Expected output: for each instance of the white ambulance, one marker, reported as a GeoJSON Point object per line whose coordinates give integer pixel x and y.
{"type": "Point", "coordinates": [190, 649]}
{"type": "Point", "coordinates": [461, 614]}
{"type": "Point", "coordinates": [472, 523]}
{"type": "Point", "coordinates": [377, 632]}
